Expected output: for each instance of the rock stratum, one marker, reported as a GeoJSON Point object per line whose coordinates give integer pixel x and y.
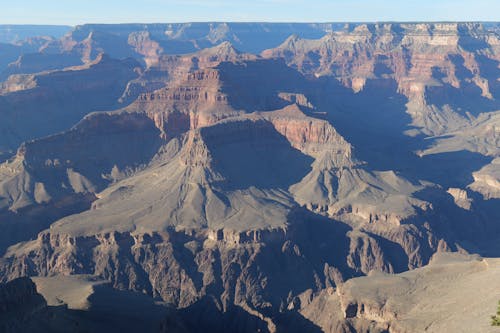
{"type": "Point", "coordinates": [222, 183]}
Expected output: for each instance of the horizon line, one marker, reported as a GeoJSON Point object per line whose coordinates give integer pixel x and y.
{"type": "Point", "coordinates": [248, 22]}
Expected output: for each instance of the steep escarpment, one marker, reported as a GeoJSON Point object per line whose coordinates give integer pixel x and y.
{"type": "Point", "coordinates": [195, 95]}
{"type": "Point", "coordinates": [406, 302]}
{"type": "Point", "coordinates": [60, 174]}
{"type": "Point", "coordinates": [254, 192]}
{"type": "Point", "coordinates": [20, 305]}
{"type": "Point", "coordinates": [12, 51]}
{"type": "Point", "coordinates": [217, 202]}
{"type": "Point", "coordinates": [77, 303]}
{"type": "Point", "coordinates": [487, 180]}
{"type": "Point", "coordinates": [186, 269]}
{"type": "Point", "coordinates": [183, 92]}
{"type": "Point", "coordinates": [57, 100]}
{"type": "Point", "coordinates": [436, 66]}
{"type": "Point", "coordinates": [207, 183]}
{"type": "Point", "coordinates": [384, 83]}
{"type": "Point", "coordinates": [219, 218]}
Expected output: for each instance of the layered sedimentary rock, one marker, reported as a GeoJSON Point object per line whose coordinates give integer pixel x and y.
{"type": "Point", "coordinates": [407, 302]}
{"type": "Point", "coordinates": [430, 63]}
{"type": "Point", "coordinates": [144, 42]}
{"type": "Point", "coordinates": [13, 50]}
{"type": "Point", "coordinates": [487, 180]}
{"type": "Point", "coordinates": [230, 185]}
{"type": "Point", "coordinates": [61, 174]}
{"type": "Point", "coordinates": [47, 103]}
{"type": "Point", "coordinates": [217, 208]}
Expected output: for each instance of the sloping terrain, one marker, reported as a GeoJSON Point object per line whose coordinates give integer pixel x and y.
{"type": "Point", "coordinates": [144, 42]}
{"type": "Point", "coordinates": [61, 174]}
{"type": "Point", "coordinates": [32, 106]}
{"type": "Point", "coordinates": [79, 303]}
{"type": "Point", "coordinates": [252, 192]}
{"type": "Point", "coordinates": [443, 296]}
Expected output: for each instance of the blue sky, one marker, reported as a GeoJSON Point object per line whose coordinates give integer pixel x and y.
{"type": "Point", "coordinates": [121, 11]}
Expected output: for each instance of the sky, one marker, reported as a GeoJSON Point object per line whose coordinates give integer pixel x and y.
{"type": "Point", "coordinates": [73, 12]}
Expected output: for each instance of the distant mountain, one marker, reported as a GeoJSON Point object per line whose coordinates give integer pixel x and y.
{"type": "Point", "coordinates": [15, 33]}
{"type": "Point", "coordinates": [187, 37]}
{"type": "Point", "coordinates": [142, 41]}
{"type": "Point", "coordinates": [253, 176]}
{"type": "Point", "coordinates": [36, 105]}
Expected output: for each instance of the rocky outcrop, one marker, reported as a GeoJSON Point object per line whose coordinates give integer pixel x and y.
{"type": "Point", "coordinates": [60, 99]}
{"type": "Point", "coordinates": [487, 180]}
{"type": "Point", "coordinates": [184, 268]}
{"type": "Point", "coordinates": [17, 83]}
{"type": "Point", "coordinates": [190, 95]}
{"type": "Point", "coordinates": [20, 303]}
{"type": "Point", "coordinates": [429, 62]}
{"type": "Point", "coordinates": [251, 236]}
{"type": "Point", "coordinates": [61, 174]}
{"type": "Point", "coordinates": [383, 299]}
{"type": "Point", "coordinates": [255, 188]}
{"type": "Point", "coordinates": [309, 134]}
{"type": "Point", "coordinates": [18, 294]}
{"type": "Point", "coordinates": [460, 197]}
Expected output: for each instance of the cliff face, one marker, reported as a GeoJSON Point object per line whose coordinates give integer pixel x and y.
{"type": "Point", "coordinates": [487, 180]}
{"type": "Point", "coordinates": [219, 203]}
{"type": "Point", "coordinates": [222, 214]}
{"type": "Point", "coordinates": [51, 102]}
{"type": "Point", "coordinates": [430, 63]}
{"type": "Point", "coordinates": [61, 174]}
{"type": "Point", "coordinates": [183, 268]}
{"type": "Point", "coordinates": [144, 42]}
{"type": "Point", "coordinates": [252, 186]}
{"type": "Point", "coordinates": [13, 50]}
{"type": "Point", "coordinates": [19, 303]}
{"type": "Point", "coordinates": [381, 299]}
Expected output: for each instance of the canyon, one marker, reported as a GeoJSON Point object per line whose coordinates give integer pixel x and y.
{"type": "Point", "coordinates": [250, 177]}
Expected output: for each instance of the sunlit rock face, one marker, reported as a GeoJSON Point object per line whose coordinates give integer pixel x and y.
{"type": "Point", "coordinates": [263, 180]}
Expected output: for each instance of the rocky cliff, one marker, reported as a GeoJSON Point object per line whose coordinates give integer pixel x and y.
{"type": "Point", "coordinates": [46, 103]}
{"type": "Point", "coordinates": [244, 191]}
{"type": "Point", "coordinates": [430, 63]}
{"type": "Point", "coordinates": [19, 303]}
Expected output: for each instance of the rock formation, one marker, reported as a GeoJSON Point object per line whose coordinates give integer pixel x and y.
{"type": "Point", "coordinates": [438, 297]}
{"type": "Point", "coordinates": [252, 192]}
{"type": "Point", "coordinates": [38, 105]}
